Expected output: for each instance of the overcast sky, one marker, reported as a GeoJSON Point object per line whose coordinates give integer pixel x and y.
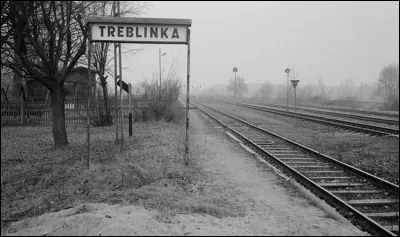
{"type": "Point", "coordinates": [338, 40]}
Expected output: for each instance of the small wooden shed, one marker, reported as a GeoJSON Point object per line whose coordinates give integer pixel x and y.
{"type": "Point", "coordinates": [75, 85]}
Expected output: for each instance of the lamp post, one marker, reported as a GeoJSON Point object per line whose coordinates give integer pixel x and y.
{"type": "Point", "coordinates": [287, 71]}
{"type": "Point", "coordinates": [234, 87]}
{"type": "Point", "coordinates": [159, 59]}
{"type": "Point", "coordinates": [295, 83]}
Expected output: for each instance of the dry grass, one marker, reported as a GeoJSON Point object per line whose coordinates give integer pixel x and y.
{"type": "Point", "coordinates": [37, 178]}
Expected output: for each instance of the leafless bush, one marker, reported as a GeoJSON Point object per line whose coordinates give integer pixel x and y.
{"type": "Point", "coordinates": [164, 101]}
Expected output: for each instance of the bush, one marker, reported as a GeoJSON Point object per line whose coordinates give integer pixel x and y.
{"type": "Point", "coordinates": [164, 103]}
{"type": "Point", "coordinates": [174, 113]}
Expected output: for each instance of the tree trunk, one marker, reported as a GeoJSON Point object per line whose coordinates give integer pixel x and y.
{"type": "Point", "coordinates": [58, 117]}
{"type": "Point", "coordinates": [106, 104]}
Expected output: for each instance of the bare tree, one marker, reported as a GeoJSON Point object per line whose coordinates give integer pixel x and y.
{"type": "Point", "coordinates": [6, 29]}
{"type": "Point", "coordinates": [265, 91]}
{"type": "Point", "coordinates": [306, 92]}
{"type": "Point", "coordinates": [46, 42]}
{"type": "Point", "coordinates": [348, 90]}
{"type": "Point", "coordinates": [241, 86]}
{"type": "Point", "coordinates": [388, 84]}
{"type": "Point", "coordinates": [102, 62]}
{"type": "Point", "coordinates": [321, 88]}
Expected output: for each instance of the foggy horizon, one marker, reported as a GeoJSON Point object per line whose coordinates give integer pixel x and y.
{"type": "Point", "coordinates": [337, 41]}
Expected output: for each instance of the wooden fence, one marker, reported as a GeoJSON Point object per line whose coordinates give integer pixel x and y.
{"type": "Point", "coordinates": [34, 113]}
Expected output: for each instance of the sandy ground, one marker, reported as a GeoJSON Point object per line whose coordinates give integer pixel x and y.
{"type": "Point", "coordinates": [272, 205]}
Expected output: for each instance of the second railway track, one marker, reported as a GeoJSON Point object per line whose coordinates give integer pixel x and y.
{"type": "Point", "coordinates": [372, 116]}
{"type": "Point", "coordinates": [349, 125]}
{"type": "Point", "coordinates": [368, 201]}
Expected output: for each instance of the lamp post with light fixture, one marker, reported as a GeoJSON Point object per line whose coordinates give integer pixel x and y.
{"type": "Point", "coordinates": [287, 71]}
{"type": "Point", "coordinates": [234, 87]}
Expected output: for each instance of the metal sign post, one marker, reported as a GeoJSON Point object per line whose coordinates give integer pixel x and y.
{"type": "Point", "coordinates": [234, 87]}
{"type": "Point", "coordinates": [187, 100]}
{"type": "Point", "coordinates": [142, 30]}
{"type": "Point", "coordinates": [287, 71]}
{"type": "Point", "coordinates": [87, 163]}
{"type": "Point", "coordinates": [295, 83]}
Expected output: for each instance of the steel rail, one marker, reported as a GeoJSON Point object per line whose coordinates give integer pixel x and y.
{"type": "Point", "coordinates": [334, 113]}
{"type": "Point", "coordinates": [383, 114]}
{"type": "Point", "coordinates": [365, 128]}
{"type": "Point", "coordinates": [356, 111]}
{"type": "Point", "coordinates": [350, 212]}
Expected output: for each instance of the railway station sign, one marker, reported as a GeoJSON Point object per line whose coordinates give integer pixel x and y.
{"type": "Point", "coordinates": [139, 30]}
{"type": "Point", "coordinates": [119, 30]}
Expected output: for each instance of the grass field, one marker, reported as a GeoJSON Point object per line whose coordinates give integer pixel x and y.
{"type": "Point", "coordinates": [37, 178]}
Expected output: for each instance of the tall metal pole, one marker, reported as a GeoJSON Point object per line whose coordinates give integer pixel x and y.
{"type": "Point", "coordinates": [115, 85]}
{"type": "Point", "coordinates": [187, 100]}
{"type": "Point", "coordinates": [295, 83]}
{"type": "Point", "coordinates": [234, 92]}
{"type": "Point", "coordinates": [287, 93]}
{"type": "Point", "coordinates": [120, 86]}
{"type": "Point", "coordinates": [88, 104]}
{"type": "Point", "coordinates": [295, 108]}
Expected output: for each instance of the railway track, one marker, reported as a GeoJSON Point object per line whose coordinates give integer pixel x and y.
{"type": "Point", "coordinates": [349, 125]}
{"type": "Point", "coordinates": [383, 118]}
{"type": "Point", "coordinates": [370, 202]}
{"type": "Point", "coordinates": [376, 113]}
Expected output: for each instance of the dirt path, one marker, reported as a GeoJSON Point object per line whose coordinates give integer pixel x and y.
{"type": "Point", "coordinates": [270, 204]}
{"type": "Point", "coordinates": [273, 207]}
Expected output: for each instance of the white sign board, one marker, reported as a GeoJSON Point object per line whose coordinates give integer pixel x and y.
{"type": "Point", "coordinates": [138, 33]}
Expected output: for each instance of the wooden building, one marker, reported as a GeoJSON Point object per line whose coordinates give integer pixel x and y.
{"type": "Point", "coordinates": [14, 88]}
{"type": "Point", "coordinates": [75, 85]}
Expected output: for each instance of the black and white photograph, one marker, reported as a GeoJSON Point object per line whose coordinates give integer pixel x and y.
{"type": "Point", "coordinates": [200, 118]}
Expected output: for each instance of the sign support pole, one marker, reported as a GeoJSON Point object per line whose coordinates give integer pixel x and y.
{"type": "Point", "coordinates": [187, 100]}
{"type": "Point", "coordinates": [118, 29]}
{"type": "Point", "coordinates": [88, 103]}
{"type": "Point", "coordinates": [295, 108]}
{"type": "Point", "coordinates": [295, 83]}
{"type": "Point", "coordinates": [234, 92]}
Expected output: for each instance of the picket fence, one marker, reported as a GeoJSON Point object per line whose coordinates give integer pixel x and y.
{"type": "Point", "coordinates": [39, 113]}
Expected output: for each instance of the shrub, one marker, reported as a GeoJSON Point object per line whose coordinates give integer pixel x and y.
{"type": "Point", "coordinates": [164, 104]}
